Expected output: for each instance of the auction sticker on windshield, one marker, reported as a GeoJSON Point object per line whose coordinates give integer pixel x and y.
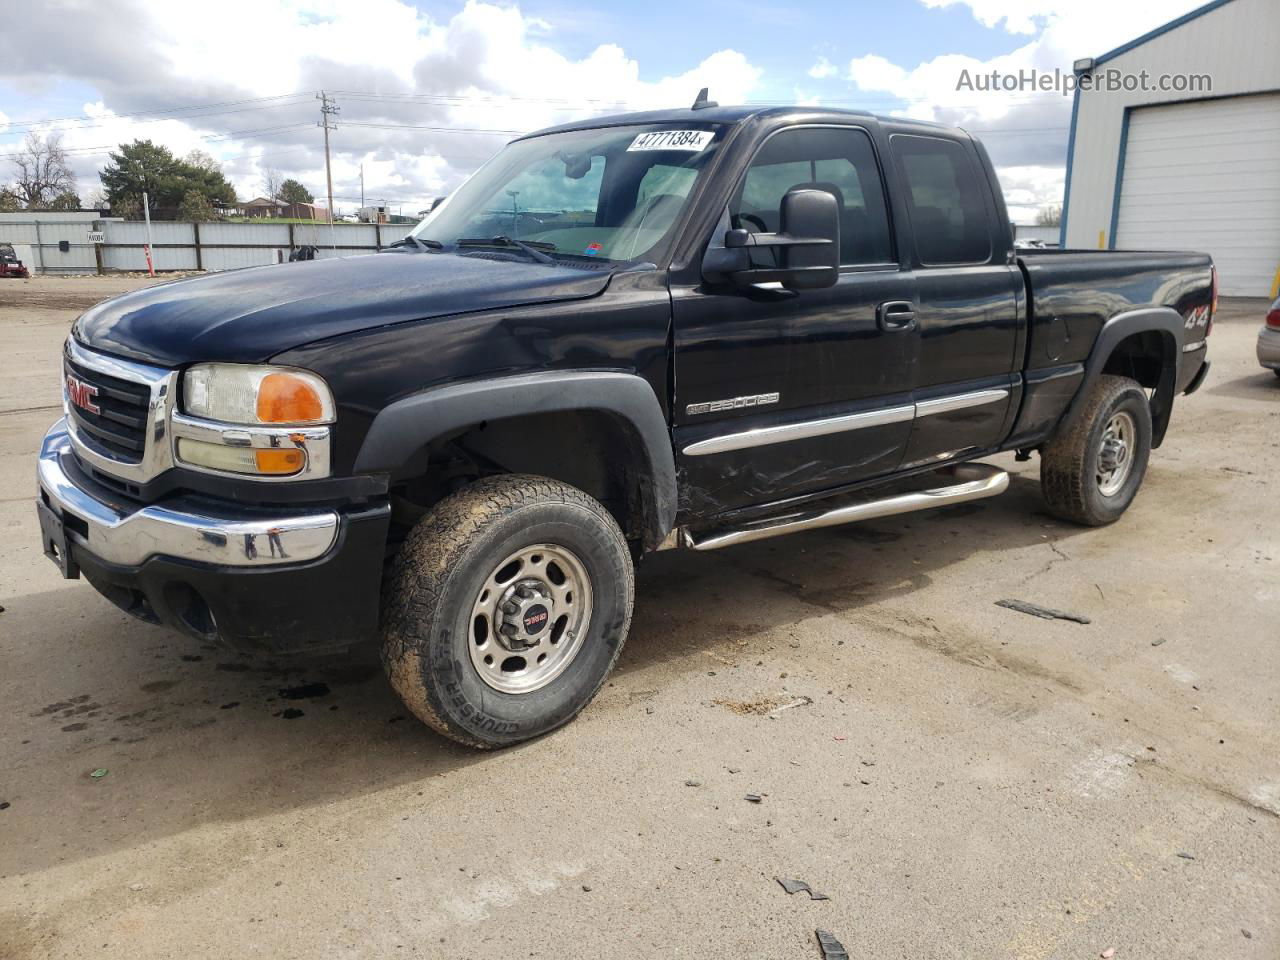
{"type": "Point", "coordinates": [692, 140]}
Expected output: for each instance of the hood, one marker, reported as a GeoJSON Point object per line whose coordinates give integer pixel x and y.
{"type": "Point", "coordinates": [249, 316]}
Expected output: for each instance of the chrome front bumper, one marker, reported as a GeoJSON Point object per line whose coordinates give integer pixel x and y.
{"type": "Point", "coordinates": [120, 532]}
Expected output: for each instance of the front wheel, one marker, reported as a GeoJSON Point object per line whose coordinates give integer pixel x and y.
{"type": "Point", "coordinates": [1091, 473]}
{"type": "Point", "coordinates": [507, 608]}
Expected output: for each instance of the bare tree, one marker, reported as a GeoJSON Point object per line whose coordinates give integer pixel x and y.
{"type": "Point", "coordinates": [203, 161]}
{"type": "Point", "coordinates": [272, 180]}
{"type": "Point", "coordinates": [41, 170]}
{"type": "Point", "coordinates": [1049, 216]}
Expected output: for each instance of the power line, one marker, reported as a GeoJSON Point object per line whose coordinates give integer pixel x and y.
{"type": "Point", "coordinates": [150, 116]}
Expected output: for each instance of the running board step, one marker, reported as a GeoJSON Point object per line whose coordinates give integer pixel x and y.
{"type": "Point", "coordinates": [974, 481]}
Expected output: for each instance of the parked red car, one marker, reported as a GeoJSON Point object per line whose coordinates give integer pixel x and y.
{"type": "Point", "coordinates": [10, 265]}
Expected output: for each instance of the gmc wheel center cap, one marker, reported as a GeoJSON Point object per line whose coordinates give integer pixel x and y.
{"type": "Point", "coordinates": [535, 618]}
{"type": "Point", "coordinates": [527, 613]}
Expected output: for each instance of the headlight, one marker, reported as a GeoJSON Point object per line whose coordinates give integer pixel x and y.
{"type": "Point", "coordinates": [235, 393]}
{"type": "Point", "coordinates": [264, 422]}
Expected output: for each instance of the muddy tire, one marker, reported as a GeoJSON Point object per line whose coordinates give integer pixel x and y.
{"type": "Point", "coordinates": [507, 608]}
{"type": "Point", "coordinates": [1090, 473]}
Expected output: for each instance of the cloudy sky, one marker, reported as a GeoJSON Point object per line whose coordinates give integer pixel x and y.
{"type": "Point", "coordinates": [427, 90]}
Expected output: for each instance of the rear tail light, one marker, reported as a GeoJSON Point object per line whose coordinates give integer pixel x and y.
{"type": "Point", "coordinates": [1273, 318]}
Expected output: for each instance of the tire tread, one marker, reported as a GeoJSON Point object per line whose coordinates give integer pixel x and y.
{"type": "Point", "coordinates": [423, 568]}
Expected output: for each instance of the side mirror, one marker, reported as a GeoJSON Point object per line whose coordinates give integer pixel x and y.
{"type": "Point", "coordinates": [807, 247]}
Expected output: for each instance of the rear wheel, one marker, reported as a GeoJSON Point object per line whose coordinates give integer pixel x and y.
{"type": "Point", "coordinates": [508, 606]}
{"type": "Point", "coordinates": [1091, 473]}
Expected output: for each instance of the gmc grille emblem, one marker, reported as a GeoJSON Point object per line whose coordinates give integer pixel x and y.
{"type": "Point", "coordinates": [81, 394]}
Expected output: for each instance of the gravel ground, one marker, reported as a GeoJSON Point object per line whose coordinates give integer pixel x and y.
{"type": "Point", "coordinates": [961, 780]}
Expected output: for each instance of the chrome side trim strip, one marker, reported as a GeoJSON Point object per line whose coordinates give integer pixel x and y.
{"type": "Point", "coordinates": [976, 480]}
{"type": "Point", "coordinates": [800, 431]}
{"type": "Point", "coordinates": [960, 401]}
{"type": "Point", "coordinates": [202, 533]}
{"type": "Point", "coordinates": [1193, 347]}
{"type": "Point", "coordinates": [853, 421]}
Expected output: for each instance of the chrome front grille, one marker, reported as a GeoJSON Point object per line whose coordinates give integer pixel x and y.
{"type": "Point", "coordinates": [120, 422]}
{"type": "Point", "coordinates": [127, 435]}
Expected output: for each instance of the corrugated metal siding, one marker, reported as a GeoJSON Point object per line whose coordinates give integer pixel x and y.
{"type": "Point", "coordinates": [1235, 44]}
{"type": "Point", "coordinates": [1218, 192]}
{"type": "Point", "coordinates": [223, 246]}
{"type": "Point", "coordinates": [45, 256]}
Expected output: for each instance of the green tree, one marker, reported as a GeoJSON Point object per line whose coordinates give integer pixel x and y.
{"type": "Point", "coordinates": [196, 207]}
{"type": "Point", "coordinates": [128, 207]}
{"type": "Point", "coordinates": [291, 191]}
{"type": "Point", "coordinates": [10, 202]}
{"type": "Point", "coordinates": [143, 166]}
{"type": "Point", "coordinates": [66, 200]}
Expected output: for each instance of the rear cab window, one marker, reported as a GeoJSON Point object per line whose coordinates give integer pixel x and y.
{"type": "Point", "coordinates": [946, 200]}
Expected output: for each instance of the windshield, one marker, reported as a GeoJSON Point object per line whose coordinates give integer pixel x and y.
{"type": "Point", "coordinates": [613, 193]}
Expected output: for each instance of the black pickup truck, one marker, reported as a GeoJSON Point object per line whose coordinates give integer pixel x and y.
{"type": "Point", "coordinates": [677, 329]}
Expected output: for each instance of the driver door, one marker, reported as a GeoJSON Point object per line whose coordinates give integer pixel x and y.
{"type": "Point", "coordinates": [779, 393]}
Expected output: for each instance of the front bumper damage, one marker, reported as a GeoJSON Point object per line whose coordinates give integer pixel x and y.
{"type": "Point", "coordinates": [274, 579]}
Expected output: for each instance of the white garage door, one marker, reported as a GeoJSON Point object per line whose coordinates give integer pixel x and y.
{"type": "Point", "coordinates": [1206, 176]}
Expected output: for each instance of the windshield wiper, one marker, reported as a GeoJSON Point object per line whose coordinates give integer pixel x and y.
{"type": "Point", "coordinates": [418, 242]}
{"type": "Point", "coordinates": [533, 249]}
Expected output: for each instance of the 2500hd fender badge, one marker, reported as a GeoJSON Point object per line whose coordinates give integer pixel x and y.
{"type": "Point", "coordinates": [733, 403]}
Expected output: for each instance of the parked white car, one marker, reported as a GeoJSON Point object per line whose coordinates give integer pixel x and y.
{"type": "Point", "coordinates": [1269, 340]}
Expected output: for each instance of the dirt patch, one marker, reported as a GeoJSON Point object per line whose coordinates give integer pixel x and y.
{"type": "Point", "coordinates": [745, 708]}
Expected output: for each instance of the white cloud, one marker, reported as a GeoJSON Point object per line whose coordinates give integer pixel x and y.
{"type": "Point", "coordinates": [823, 68]}
{"type": "Point", "coordinates": [1024, 131]}
{"type": "Point", "coordinates": [487, 67]}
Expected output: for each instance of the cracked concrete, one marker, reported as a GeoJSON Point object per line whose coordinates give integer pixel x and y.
{"type": "Point", "coordinates": [965, 781]}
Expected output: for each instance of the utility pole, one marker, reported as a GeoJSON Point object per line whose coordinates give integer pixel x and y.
{"type": "Point", "coordinates": [327, 109]}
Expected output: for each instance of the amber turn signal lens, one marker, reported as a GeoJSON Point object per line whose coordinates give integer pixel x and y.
{"type": "Point", "coordinates": [279, 461]}
{"type": "Point", "coordinates": [285, 398]}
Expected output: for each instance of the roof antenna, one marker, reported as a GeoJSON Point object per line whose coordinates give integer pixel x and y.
{"type": "Point", "coordinates": [701, 102]}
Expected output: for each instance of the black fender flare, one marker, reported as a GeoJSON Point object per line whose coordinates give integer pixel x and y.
{"type": "Point", "coordinates": [1163, 320]}
{"type": "Point", "coordinates": [403, 428]}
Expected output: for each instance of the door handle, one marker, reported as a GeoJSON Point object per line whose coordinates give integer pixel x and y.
{"type": "Point", "coordinates": [896, 315]}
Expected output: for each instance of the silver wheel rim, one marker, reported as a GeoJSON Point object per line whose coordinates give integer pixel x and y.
{"type": "Point", "coordinates": [1115, 453]}
{"type": "Point", "coordinates": [529, 618]}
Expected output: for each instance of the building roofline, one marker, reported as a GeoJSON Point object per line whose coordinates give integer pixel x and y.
{"type": "Point", "coordinates": [1159, 31]}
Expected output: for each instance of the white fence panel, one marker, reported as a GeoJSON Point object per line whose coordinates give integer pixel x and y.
{"type": "Point", "coordinates": [271, 234]}
{"type": "Point", "coordinates": [237, 258]}
{"type": "Point", "coordinates": [222, 246]}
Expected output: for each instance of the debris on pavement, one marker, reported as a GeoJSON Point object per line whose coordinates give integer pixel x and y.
{"type": "Point", "coordinates": [304, 691]}
{"type": "Point", "coordinates": [832, 949]}
{"type": "Point", "coordinates": [693, 783]}
{"type": "Point", "coordinates": [1044, 613]}
{"type": "Point", "coordinates": [1108, 953]}
{"type": "Point", "coordinates": [1186, 856]}
{"type": "Point", "coordinates": [753, 798]}
{"type": "Point", "coordinates": [293, 713]}
{"type": "Point", "coordinates": [798, 702]}
{"type": "Point", "coordinates": [99, 773]}
{"type": "Point", "coordinates": [4, 804]}
{"type": "Point", "coordinates": [1157, 641]}
{"type": "Point", "coordinates": [799, 886]}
